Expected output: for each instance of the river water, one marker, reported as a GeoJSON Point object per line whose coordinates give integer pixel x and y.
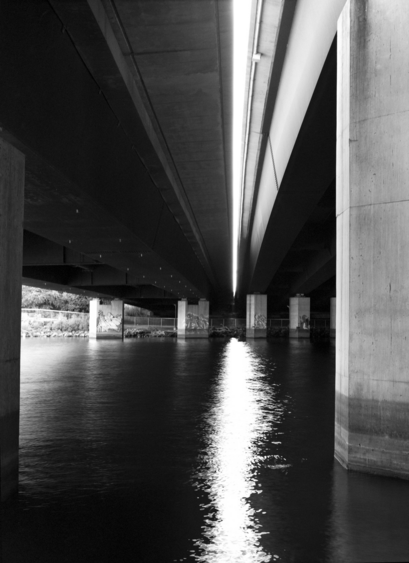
{"type": "Point", "coordinates": [157, 450]}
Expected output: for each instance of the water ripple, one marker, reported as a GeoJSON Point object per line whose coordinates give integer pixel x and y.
{"type": "Point", "coordinates": [244, 414]}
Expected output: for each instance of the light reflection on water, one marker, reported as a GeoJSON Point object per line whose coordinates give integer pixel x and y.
{"type": "Point", "coordinates": [112, 432]}
{"type": "Point", "coordinates": [244, 414]}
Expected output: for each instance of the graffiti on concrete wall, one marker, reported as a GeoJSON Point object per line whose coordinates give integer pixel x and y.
{"type": "Point", "coordinates": [304, 322]}
{"type": "Point", "coordinates": [260, 321]}
{"type": "Point", "coordinates": [109, 322]}
{"type": "Point", "coordinates": [195, 322]}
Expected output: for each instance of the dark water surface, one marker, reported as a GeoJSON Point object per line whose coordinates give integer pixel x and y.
{"type": "Point", "coordinates": [213, 452]}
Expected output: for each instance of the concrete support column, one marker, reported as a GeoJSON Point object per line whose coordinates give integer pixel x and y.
{"type": "Point", "coordinates": [182, 313]}
{"type": "Point", "coordinates": [256, 316]}
{"type": "Point", "coordinates": [299, 317]}
{"type": "Point", "coordinates": [332, 317]}
{"type": "Point", "coordinates": [106, 320]}
{"type": "Point", "coordinates": [11, 257]}
{"type": "Point", "coordinates": [372, 346]}
{"type": "Point", "coordinates": [193, 320]}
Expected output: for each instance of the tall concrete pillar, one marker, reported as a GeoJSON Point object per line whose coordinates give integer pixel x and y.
{"type": "Point", "coordinates": [193, 320]}
{"type": "Point", "coordinates": [372, 346]}
{"type": "Point", "coordinates": [182, 312]}
{"type": "Point", "coordinates": [106, 320]}
{"type": "Point", "coordinates": [332, 317]}
{"type": "Point", "coordinates": [11, 260]}
{"type": "Point", "coordinates": [256, 316]}
{"type": "Point", "coordinates": [299, 317]}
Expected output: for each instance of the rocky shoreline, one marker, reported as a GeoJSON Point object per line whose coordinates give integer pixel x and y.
{"type": "Point", "coordinates": [214, 332]}
{"type": "Point", "coordinates": [145, 333]}
{"type": "Point", "coordinates": [54, 334]}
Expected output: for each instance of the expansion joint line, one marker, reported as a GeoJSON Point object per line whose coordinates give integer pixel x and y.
{"type": "Point", "coordinates": [65, 30]}
{"type": "Point", "coordinates": [196, 230]}
{"type": "Point", "coordinates": [217, 16]}
{"type": "Point", "coordinates": [248, 118]}
{"type": "Point", "coordinates": [272, 158]}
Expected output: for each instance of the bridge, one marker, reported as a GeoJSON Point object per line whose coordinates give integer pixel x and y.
{"type": "Point", "coordinates": [124, 117]}
{"type": "Point", "coordinates": [117, 180]}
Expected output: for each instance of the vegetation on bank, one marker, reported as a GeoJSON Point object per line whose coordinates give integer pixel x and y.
{"type": "Point", "coordinates": [36, 298]}
{"type": "Point", "coordinates": [78, 327]}
{"type": "Point", "coordinates": [240, 332]}
{"type": "Point", "coordinates": [34, 327]}
{"type": "Point", "coordinates": [43, 323]}
{"type": "Point", "coordinates": [144, 333]}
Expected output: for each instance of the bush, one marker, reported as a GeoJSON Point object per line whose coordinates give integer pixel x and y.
{"type": "Point", "coordinates": [70, 325]}
{"type": "Point", "coordinates": [57, 325]}
{"type": "Point", "coordinates": [36, 298]}
{"type": "Point", "coordinates": [76, 323]}
{"type": "Point", "coordinates": [36, 325]}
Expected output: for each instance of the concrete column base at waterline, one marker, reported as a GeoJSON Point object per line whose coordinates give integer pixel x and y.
{"type": "Point", "coordinates": [256, 316]}
{"type": "Point", "coordinates": [372, 346]}
{"type": "Point", "coordinates": [193, 320]}
{"type": "Point", "coordinates": [299, 317]}
{"type": "Point", "coordinates": [11, 257]}
{"type": "Point", "coordinates": [106, 319]}
{"type": "Point", "coordinates": [332, 317]}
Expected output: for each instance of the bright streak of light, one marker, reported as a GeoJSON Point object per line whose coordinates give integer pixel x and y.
{"type": "Point", "coordinates": [241, 25]}
{"type": "Point", "coordinates": [243, 414]}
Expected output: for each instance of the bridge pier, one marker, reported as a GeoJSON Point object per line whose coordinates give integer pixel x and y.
{"type": "Point", "coordinates": [193, 320]}
{"type": "Point", "coordinates": [300, 317]}
{"type": "Point", "coordinates": [332, 317]}
{"type": "Point", "coordinates": [372, 347]}
{"type": "Point", "coordinates": [11, 257]}
{"type": "Point", "coordinates": [106, 320]}
{"type": "Point", "coordinates": [256, 316]}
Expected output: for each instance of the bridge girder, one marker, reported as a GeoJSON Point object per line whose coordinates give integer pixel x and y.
{"type": "Point", "coordinates": [294, 170]}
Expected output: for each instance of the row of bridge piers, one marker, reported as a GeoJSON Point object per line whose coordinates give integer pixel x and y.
{"type": "Point", "coordinates": [193, 319]}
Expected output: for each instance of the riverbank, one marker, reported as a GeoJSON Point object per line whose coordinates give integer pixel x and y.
{"type": "Point", "coordinates": [54, 334]}
{"type": "Point", "coordinates": [145, 333]}
{"type": "Point", "coordinates": [319, 334]}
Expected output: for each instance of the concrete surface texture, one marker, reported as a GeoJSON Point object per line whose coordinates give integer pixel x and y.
{"type": "Point", "coordinates": [256, 316]}
{"type": "Point", "coordinates": [106, 319]}
{"type": "Point", "coordinates": [372, 358]}
{"type": "Point", "coordinates": [285, 192]}
{"type": "Point", "coordinates": [300, 317]}
{"type": "Point", "coordinates": [11, 258]}
{"type": "Point", "coordinates": [193, 319]}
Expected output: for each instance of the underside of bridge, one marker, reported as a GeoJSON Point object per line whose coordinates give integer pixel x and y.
{"type": "Point", "coordinates": [287, 229]}
{"type": "Point", "coordinates": [297, 254]}
{"type": "Point", "coordinates": [123, 112]}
